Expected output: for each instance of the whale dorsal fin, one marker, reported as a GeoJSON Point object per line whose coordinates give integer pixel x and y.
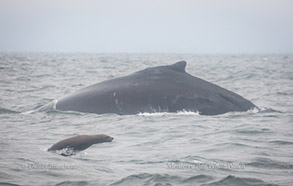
{"type": "Point", "coordinates": [179, 66]}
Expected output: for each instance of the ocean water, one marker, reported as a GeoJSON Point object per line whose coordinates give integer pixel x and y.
{"type": "Point", "coordinates": [237, 148]}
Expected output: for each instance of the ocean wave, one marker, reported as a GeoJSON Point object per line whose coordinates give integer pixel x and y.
{"type": "Point", "coordinates": [281, 142]}
{"type": "Point", "coordinates": [267, 163]}
{"type": "Point", "coordinates": [7, 111]}
{"type": "Point", "coordinates": [203, 180]}
{"type": "Point", "coordinates": [153, 179]}
{"type": "Point", "coordinates": [197, 179]}
{"type": "Point", "coordinates": [239, 181]}
{"type": "Point", "coordinates": [252, 132]}
{"type": "Point", "coordinates": [8, 184]}
{"type": "Point", "coordinates": [72, 183]}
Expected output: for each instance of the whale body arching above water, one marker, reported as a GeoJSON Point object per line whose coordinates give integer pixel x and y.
{"type": "Point", "coordinates": [157, 89]}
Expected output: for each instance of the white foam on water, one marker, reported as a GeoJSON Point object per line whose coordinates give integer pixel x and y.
{"type": "Point", "coordinates": [184, 112]}
{"type": "Point", "coordinates": [49, 106]}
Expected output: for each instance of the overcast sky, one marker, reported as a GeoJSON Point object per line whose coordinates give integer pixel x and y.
{"type": "Point", "coordinates": [180, 26]}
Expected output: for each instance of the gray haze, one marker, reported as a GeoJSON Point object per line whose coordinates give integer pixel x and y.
{"type": "Point", "coordinates": [191, 26]}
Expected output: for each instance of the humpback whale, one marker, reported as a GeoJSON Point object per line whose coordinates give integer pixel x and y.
{"type": "Point", "coordinates": [157, 89]}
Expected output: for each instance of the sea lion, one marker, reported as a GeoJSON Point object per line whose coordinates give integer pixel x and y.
{"type": "Point", "coordinates": [80, 143]}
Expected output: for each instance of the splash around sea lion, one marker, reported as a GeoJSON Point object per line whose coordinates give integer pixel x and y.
{"type": "Point", "coordinates": [79, 143]}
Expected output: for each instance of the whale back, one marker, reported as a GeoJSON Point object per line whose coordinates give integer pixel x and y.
{"type": "Point", "coordinates": [157, 89]}
{"type": "Point", "coordinates": [179, 66]}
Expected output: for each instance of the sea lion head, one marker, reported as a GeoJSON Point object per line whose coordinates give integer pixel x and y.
{"type": "Point", "coordinates": [100, 138]}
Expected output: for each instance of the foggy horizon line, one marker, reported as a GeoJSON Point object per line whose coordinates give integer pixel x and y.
{"type": "Point", "coordinates": [100, 52]}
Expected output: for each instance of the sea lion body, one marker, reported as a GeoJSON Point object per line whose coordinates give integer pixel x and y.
{"type": "Point", "coordinates": [81, 142]}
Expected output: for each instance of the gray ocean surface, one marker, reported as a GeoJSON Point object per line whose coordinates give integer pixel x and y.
{"type": "Point", "coordinates": [239, 148]}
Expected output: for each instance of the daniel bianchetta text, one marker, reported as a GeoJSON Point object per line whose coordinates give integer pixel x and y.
{"type": "Point", "coordinates": [49, 166]}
